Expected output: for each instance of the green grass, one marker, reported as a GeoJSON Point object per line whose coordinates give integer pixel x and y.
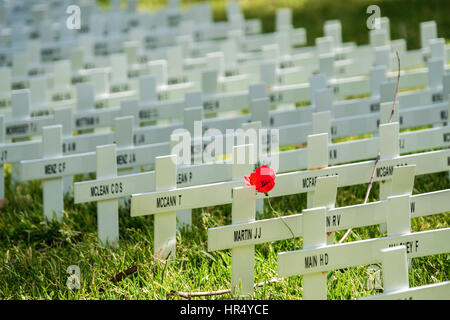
{"type": "Point", "coordinates": [34, 256]}
{"type": "Point", "coordinates": [405, 15]}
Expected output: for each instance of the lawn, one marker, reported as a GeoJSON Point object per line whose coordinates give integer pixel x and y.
{"type": "Point", "coordinates": [35, 256]}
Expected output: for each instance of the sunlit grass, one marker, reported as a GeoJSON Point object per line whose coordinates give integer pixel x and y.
{"type": "Point", "coordinates": [34, 256]}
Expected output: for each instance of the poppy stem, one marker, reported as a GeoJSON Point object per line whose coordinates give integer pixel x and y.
{"type": "Point", "coordinates": [279, 216]}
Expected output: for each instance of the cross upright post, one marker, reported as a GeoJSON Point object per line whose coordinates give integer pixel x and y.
{"type": "Point", "coordinates": [107, 210]}
{"type": "Point", "coordinates": [52, 189]}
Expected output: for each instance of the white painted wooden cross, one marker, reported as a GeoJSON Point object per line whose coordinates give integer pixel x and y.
{"type": "Point", "coordinates": [246, 234]}
{"type": "Point", "coordinates": [294, 133]}
{"type": "Point", "coordinates": [14, 152]}
{"type": "Point", "coordinates": [22, 125]}
{"type": "Point", "coordinates": [54, 165]}
{"type": "Point", "coordinates": [52, 187]}
{"type": "Point", "coordinates": [108, 189]}
{"type": "Point", "coordinates": [312, 238]}
{"type": "Point", "coordinates": [242, 258]}
{"type": "Point", "coordinates": [107, 210]}
{"type": "Point", "coordinates": [27, 150]}
{"type": "Point", "coordinates": [396, 283]}
{"type": "Point", "coordinates": [165, 181]}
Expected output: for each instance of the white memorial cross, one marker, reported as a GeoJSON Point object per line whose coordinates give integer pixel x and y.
{"type": "Point", "coordinates": [22, 126]}
{"type": "Point", "coordinates": [61, 88]}
{"type": "Point", "coordinates": [249, 233]}
{"type": "Point", "coordinates": [54, 165]}
{"type": "Point", "coordinates": [105, 116]}
{"type": "Point", "coordinates": [63, 116]}
{"type": "Point", "coordinates": [52, 188]}
{"type": "Point", "coordinates": [317, 157]}
{"type": "Point", "coordinates": [123, 136]}
{"type": "Point", "coordinates": [278, 118]}
{"type": "Point", "coordinates": [244, 209]}
{"type": "Point", "coordinates": [349, 92]}
{"type": "Point", "coordinates": [5, 87]}
{"type": "Point", "coordinates": [26, 150]}
{"type": "Point", "coordinates": [409, 142]}
{"type": "Point", "coordinates": [362, 123]}
{"type": "Point", "coordinates": [14, 152]}
{"type": "Point", "coordinates": [119, 73]}
{"type": "Point", "coordinates": [314, 261]}
{"type": "Point", "coordinates": [290, 160]}
{"type": "Point", "coordinates": [165, 179]}
{"type": "Point", "coordinates": [242, 258]}
{"type": "Point", "coordinates": [164, 244]}
{"type": "Point", "coordinates": [110, 188]}
{"type": "Point", "coordinates": [20, 70]}
{"type": "Point", "coordinates": [428, 31]}
{"type": "Point", "coordinates": [193, 112]}
{"type": "Point", "coordinates": [87, 116]}
{"type": "Point", "coordinates": [107, 210]}
{"type": "Point", "coordinates": [396, 283]}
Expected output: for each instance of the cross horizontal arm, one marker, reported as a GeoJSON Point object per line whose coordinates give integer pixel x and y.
{"type": "Point", "coordinates": [364, 252]}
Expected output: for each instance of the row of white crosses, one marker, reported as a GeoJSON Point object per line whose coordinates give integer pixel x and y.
{"type": "Point", "coordinates": [360, 84]}
{"type": "Point", "coordinates": [321, 120]}
{"type": "Point", "coordinates": [25, 124]}
{"type": "Point", "coordinates": [108, 173]}
{"type": "Point", "coordinates": [54, 166]}
{"type": "Point", "coordinates": [299, 181]}
{"type": "Point", "coordinates": [21, 63]}
{"type": "Point", "coordinates": [157, 37]}
{"type": "Point", "coordinates": [109, 223]}
{"type": "Point", "coordinates": [283, 20]}
{"type": "Point", "coordinates": [313, 225]}
{"type": "Point", "coordinates": [110, 188]}
{"type": "Point", "coordinates": [235, 101]}
{"type": "Point", "coordinates": [291, 160]}
{"type": "Point", "coordinates": [316, 257]}
{"type": "Point", "coordinates": [396, 282]}
{"type": "Point", "coordinates": [114, 24]}
{"type": "Point", "coordinates": [107, 92]}
{"type": "Point", "coordinates": [333, 34]}
{"type": "Point", "coordinates": [119, 62]}
{"type": "Point", "coordinates": [305, 64]}
{"type": "Point", "coordinates": [324, 46]}
{"type": "Point", "coordinates": [203, 81]}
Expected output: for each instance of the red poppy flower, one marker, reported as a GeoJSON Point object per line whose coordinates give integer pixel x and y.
{"type": "Point", "coordinates": [263, 179]}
